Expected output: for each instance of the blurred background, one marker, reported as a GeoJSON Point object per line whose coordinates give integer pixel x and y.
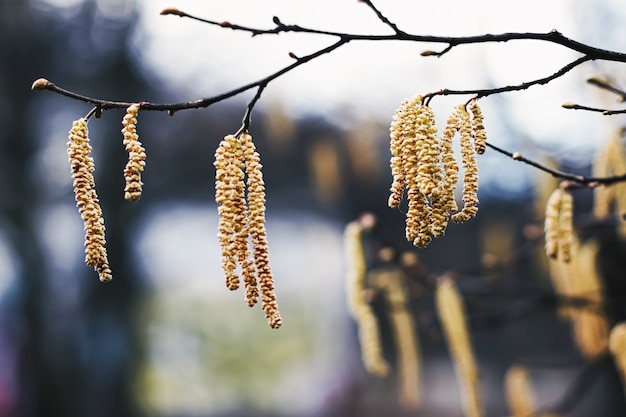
{"type": "Point", "coordinates": [165, 337]}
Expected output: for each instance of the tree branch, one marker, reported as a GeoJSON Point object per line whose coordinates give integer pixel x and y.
{"type": "Point", "coordinates": [200, 103]}
{"type": "Point", "coordinates": [589, 53]}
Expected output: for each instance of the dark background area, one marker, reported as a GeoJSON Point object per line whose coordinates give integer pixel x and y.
{"type": "Point", "coordinates": [71, 346]}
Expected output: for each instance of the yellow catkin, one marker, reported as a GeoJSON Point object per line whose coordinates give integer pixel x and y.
{"type": "Point", "coordinates": [566, 228]}
{"type": "Point", "coordinates": [470, 174]}
{"type": "Point", "coordinates": [611, 160]}
{"type": "Point", "coordinates": [397, 146]}
{"type": "Point", "coordinates": [428, 151]}
{"type": "Point", "coordinates": [242, 227]}
{"type": "Point", "coordinates": [136, 154]}
{"type": "Point", "coordinates": [558, 225]}
{"type": "Point", "coordinates": [519, 393]}
{"type": "Point", "coordinates": [405, 144]}
{"type": "Point", "coordinates": [443, 202]}
{"type": "Point", "coordinates": [226, 197]}
{"type": "Point", "coordinates": [367, 324]}
{"type": "Point", "coordinates": [260, 253]}
{"type": "Point", "coordinates": [82, 167]}
{"type": "Point", "coordinates": [410, 145]}
{"type": "Point", "coordinates": [591, 332]}
{"type": "Point", "coordinates": [424, 218]}
{"type": "Point", "coordinates": [450, 166]}
{"type": "Point", "coordinates": [480, 135]}
{"type": "Point", "coordinates": [551, 223]}
{"type": "Point", "coordinates": [439, 215]}
{"type": "Point", "coordinates": [452, 316]}
{"type": "Point", "coordinates": [561, 276]}
{"type": "Point", "coordinates": [418, 219]}
{"type": "Point", "coordinates": [589, 322]}
{"type": "Point", "coordinates": [391, 281]}
{"type": "Point", "coordinates": [240, 196]}
{"type": "Point", "coordinates": [617, 345]}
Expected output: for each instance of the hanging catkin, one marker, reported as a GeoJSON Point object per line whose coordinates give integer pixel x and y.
{"type": "Point", "coordinates": [240, 196]}
{"type": "Point", "coordinates": [82, 166]}
{"type": "Point", "coordinates": [136, 155]}
{"type": "Point", "coordinates": [452, 316]}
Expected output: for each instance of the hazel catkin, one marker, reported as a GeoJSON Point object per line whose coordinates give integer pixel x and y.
{"type": "Point", "coordinates": [82, 167]}
{"type": "Point", "coordinates": [361, 311]}
{"type": "Point", "coordinates": [226, 197]}
{"type": "Point", "coordinates": [611, 199]}
{"type": "Point", "coordinates": [136, 154]}
{"type": "Point", "coordinates": [558, 227]}
{"type": "Point", "coordinates": [470, 174]}
{"type": "Point", "coordinates": [256, 207]}
{"type": "Point", "coordinates": [519, 393]}
{"type": "Point", "coordinates": [240, 196]}
{"type": "Point", "coordinates": [452, 315]}
{"type": "Point", "coordinates": [392, 281]}
{"type": "Point", "coordinates": [426, 167]}
{"type": "Point", "coordinates": [480, 135]}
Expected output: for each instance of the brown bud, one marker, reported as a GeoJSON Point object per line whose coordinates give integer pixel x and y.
{"type": "Point", "coordinates": [40, 84]}
{"type": "Point", "coordinates": [171, 10]}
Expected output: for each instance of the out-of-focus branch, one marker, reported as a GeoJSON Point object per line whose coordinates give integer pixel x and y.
{"type": "Point", "coordinates": [605, 85]}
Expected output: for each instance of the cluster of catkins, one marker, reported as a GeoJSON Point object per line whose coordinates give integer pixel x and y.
{"type": "Point", "coordinates": [82, 166]}
{"type": "Point", "coordinates": [425, 166]}
{"type": "Point", "coordinates": [242, 216]}
{"type": "Point", "coordinates": [361, 287]}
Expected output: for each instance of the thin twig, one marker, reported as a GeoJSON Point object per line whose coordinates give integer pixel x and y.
{"type": "Point", "coordinates": [523, 86]}
{"type": "Point", "coordinates": [245, 124]}
{"type": "Point", "coordinates": [382, 17]}
{"type": "Point", "coordinates": [578, 179]}
{"type": "Point", "coordinates": [200, 103]}
{"type": "Point", "coordinates": [606, 112]}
